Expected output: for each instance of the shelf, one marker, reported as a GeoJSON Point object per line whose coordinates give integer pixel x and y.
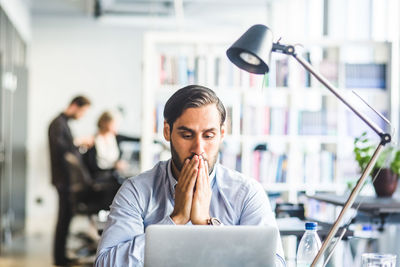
{"type": "Point", "coordinates": [253, 139]}
{"type": "Point", "coordinates": [285, 127]}
{"type": "Point", "coordinates": [321, 139]}
{"type": "Point", "coordinates": [277, 187]}
{"type": "Point", "coordinates": [283, 187]}
{"type": "Point", "coordinates": [329, 42]}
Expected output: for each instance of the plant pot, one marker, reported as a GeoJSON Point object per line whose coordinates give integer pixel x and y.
{"type": "Point", "coordinates": [386, 183]}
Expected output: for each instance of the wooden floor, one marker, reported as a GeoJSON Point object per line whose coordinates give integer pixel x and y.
{"type": "Point", "coordinates": [27, 251]}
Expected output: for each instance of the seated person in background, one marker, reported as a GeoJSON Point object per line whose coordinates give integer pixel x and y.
{"type": "Point", "coordinates": [104, 158]}
{"type": "Point", "coordinates": [190, 188]}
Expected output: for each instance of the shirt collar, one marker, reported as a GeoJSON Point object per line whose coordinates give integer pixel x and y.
{"type": "Point", "coordinates": [65, 116]}
{"type": "Point", "coordinates": [173, 181]}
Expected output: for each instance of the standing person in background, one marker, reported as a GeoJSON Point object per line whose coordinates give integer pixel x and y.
{"type": "Point", "coordinates": [61, 142]}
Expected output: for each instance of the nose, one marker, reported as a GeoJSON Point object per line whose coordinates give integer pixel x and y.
{"type": "Point", "coordinates": [197, 146]}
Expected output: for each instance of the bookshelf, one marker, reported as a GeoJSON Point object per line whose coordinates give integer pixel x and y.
{"type": "Point", "coordinates": [284, 129]}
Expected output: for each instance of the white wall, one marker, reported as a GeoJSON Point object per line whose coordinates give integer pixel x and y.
{"type": "Point", "coordinates": [70, 56]}
{"type": "Point", "coordinates": [72, 53]}
{"type": "Point", "coordinates": [18, 12]}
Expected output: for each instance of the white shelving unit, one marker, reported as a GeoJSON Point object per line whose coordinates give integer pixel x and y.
{"type": "Point", "coordinates": [312, 155]}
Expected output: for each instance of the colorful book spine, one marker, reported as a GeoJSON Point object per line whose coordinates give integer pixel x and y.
{"type": "Point", "coordinates": [372, 75]}
{"type": "Point", "coordinates": [269, 167]}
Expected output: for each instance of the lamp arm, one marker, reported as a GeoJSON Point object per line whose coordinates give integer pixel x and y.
{"type": "Point", "coordinates": [349, 203]}
{"type": "Point", "coordinates": [334, 246]}
{"type": "Point", "coordinates": [290, 50]}
{"type": "Point", "coordinates": [385, 138]}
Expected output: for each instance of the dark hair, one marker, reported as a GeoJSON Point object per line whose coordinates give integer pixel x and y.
{"type": "Point", "coordinates": [80, 101]}
{"type": "Point", "coordinates": [192, 96]}
{"type": "Point", "coordinates": [105, 118]}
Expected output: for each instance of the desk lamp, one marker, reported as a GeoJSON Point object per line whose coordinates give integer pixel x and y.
{"type": "Point", "coordinates": [252, 52]}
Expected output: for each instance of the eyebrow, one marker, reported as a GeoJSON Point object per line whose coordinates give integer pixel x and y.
{"type": "Point", "coordinates": [184, 128]}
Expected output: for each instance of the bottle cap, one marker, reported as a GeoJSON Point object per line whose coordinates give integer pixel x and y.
{"type": "Point", "coordinates": [311, 225]}
{"type": "Point", "coordinates": [367, 227]}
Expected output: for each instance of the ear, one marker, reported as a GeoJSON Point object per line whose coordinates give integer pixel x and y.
{"type": "Point", "coordinates": [223, 129]}
{"type": "Point", "coordinates": [167, 131]}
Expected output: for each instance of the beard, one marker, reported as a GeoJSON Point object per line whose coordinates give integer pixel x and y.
{"type": "Point", "coordinates": [179, 163]}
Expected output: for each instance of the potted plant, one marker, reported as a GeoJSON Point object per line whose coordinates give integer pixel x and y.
{"type": "Point", "coordinates": [387, 166]}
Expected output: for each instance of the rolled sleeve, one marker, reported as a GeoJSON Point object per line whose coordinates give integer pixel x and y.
{"type": "Point", "coordinates": [123, 240]}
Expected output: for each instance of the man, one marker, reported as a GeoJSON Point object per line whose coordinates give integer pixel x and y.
{"type": "Point", "coordinates": [61, 142]}
{"type": "Point", "coordinates": [190, 188]}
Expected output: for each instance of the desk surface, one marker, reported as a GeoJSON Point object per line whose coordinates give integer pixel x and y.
{"type": "Point", "coordinates": [295, 226]}
{"type": "Point", "coordinates": [376, 205]}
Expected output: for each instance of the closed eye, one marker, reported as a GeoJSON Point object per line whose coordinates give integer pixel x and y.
{"type": "Point", "coordinates": [209, 135]}
{"type": "Point", "coordinates": [186, 135]}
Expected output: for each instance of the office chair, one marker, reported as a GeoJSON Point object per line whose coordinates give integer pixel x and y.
{"type": "Point", "coordinates": [86, 194]}
{"type": "Point", "coordinates": [88, 198]}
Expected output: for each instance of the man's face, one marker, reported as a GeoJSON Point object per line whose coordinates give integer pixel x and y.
{"type": "Point", "coordinates": [196, 132]}
{"type": "Point", "coordinates": [79, 112]}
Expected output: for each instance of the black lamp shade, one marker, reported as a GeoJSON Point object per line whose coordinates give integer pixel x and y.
{"type": "Point", "coordinates": [255, 42]}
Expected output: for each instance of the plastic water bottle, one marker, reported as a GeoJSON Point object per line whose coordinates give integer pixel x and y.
{"type": "Point", "coordinates": [309, 246]}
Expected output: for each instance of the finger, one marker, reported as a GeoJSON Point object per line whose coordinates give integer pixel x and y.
{"type": "Point", "coordinates": [200, 176]}
{"type": "Point", "coordinates": [186, 171]}
{"type": "Point", "coordinates": [205, 177]}
{"type": "Point", "coordinates": [184, 168]}
{"type": "Point", "coordinates": [195, 161]}
{"type": "Point", "coordinates": [190, 183]}
{"type": "Point", "coordinates": [206, 167]}
{"type": "Point", "coordinates": [193, 181]}
{"type": "Point", "coordinates": [190, 177]}
{"type": "Point", "coordinates": [207, 172]}
{"type": "Point", "coordinates": [201, 163]}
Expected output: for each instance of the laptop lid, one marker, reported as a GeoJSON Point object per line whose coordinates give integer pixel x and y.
{"type": "Point", "coordinates": [188, 245]}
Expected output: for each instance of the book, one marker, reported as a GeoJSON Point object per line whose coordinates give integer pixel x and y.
{"type": "Point", "coordinates": [279, 121]}
{"type": "Point", "coordinates": [370, 75]}
{"type": "Point", "coordinates": [269, 167]}
{"type": "Point", "coordinates": [230, 155]}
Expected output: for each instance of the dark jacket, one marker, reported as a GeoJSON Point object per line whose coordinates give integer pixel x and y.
{"type": "Point", "coordinates": [61, 142]}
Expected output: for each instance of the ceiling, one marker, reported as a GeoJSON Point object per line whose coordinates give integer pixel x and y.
{"type": "Point", "coordinates": [168, 7]}
{"type": "Point", "coordinates": [61, 7]}
{"type": "Point", "coordinates": [162, 12]}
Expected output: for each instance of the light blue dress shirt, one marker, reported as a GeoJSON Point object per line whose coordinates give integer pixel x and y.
{"type": "Point", "coordinates": [149, 199]}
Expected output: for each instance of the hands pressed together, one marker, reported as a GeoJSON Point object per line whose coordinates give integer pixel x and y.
{"type": "Point", "coordinates": [193, 193]}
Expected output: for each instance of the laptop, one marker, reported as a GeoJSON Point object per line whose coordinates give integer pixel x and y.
{"type": "Point", "coordinates": [188, 245]}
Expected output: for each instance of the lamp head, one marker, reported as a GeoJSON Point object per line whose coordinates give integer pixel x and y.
{"type": "Point", "coordinates": [252, 51]}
